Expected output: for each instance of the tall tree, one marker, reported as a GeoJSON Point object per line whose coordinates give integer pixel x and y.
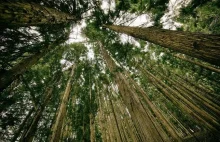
{"type": "Point", "coordinates": [133, 103]}
{"type": "Point", "coordinates": [7, 77]}
{"type": "Point", "coordinates": [57, 128]}
{"type": "Point", "coordinates": [30, 14]}
{"type": "Point", "coordinates": [29, 134]}
{"type": "Point", "coordinates": [202, 46]}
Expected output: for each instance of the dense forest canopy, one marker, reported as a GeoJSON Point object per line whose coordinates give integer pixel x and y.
{"type": "Point", "coordinates": [109, 70]}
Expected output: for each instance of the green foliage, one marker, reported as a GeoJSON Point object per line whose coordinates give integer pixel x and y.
{"type": "Point", "coordinates": [92, 77]}
{"type": "Point", "coordinates": [201, 18]}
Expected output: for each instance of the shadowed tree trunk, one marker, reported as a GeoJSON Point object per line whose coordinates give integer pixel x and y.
{"type": "Point", "coordinates": [168, 126]}
{"type": "Point", "coordinates": [7, 77]}
{"type": "Point", "coordinates": [29, 134]}
{"type": "Point", "coordinates": [208, 67]}
{"type": "Point", "coordinates": [137, 112]}
{"type": "Point", "coordinates": [185, 105]}
{"type": "Point", "coordinates": [30, 14]}
{"type": "Point", "coordinates": [56, 130]}
{"type": "Point", "coordinates": [115, 118]}
{"type": "Point", "coordinates": [17, 133]}
{"type": "Point", "coordinates": [202, 46]}
{"type": "Point", "coordinates": [91, 115]}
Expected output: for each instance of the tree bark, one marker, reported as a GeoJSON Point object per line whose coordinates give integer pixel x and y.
{"type": "Point", "coordinates": [29, 134]}
{"type": "Point", "coordinates": [137, 112]}
{"type": "Point", "coordinates": [182, 103]}
{"type": "Point", "coordinates": [115, 118]}
{"type": "Point", "coordinates": [202, 46]}
{"type": "Point", "coordinates": [91, 116]}
{"type": "Point", "coordinates": [168, 126]}
{"type": "Point", "coordinates": [56, 131]}
{"type": "Point", "coordinates": [208, 67]}
{"type": "Point", "coordinates": [17, 133]}
{"type": "Point", "coordinates": [30, 14]}
{"type": "Point", "coordinates": [7, 77]}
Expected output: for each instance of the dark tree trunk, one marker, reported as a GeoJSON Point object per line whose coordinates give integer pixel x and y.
{"type": "Point", "coordinates": [29, 134]}
{"type": "Point", "coordinates": [17, 133]}
{"type": "Point", "coordinates": [7, 77]}
{"type": "Point", "coordinates": [30, 14]}
{"type": "Point", "coordinates": [202, 46]}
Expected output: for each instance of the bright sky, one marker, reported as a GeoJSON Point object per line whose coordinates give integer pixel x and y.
{"type": "Point", "coordinates": [143, 20]}
{"type": "Point", "coordinates": [173, 10]}
{"type": "Point", "coordinates": [76, 35]}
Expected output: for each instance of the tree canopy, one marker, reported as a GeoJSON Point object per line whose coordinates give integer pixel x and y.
{"type": "Point", "coordinates": [117, 70]}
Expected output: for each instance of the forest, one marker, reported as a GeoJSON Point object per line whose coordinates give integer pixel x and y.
{"type": "Point", "coordinates": [109, 70]}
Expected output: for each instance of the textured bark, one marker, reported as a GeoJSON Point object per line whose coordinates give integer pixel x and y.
{"type": "Point", "coordinates": [101, 120]}
{"type": "Point", "coordinates": [168, 126]}
{"type": "Point", "coordinates": [209, 94]}
{"type": "Point", "coordinates": [188, 93]}
{"type": "Point", "coordinates": [7, 77]}
{"type": "Point", "coordinates": [30, 14]}
{"type": "Point", "coordinates": [29, 134]}
{"type": "Point", "coordinates": [137, 112]}
{"type": "Point", "coordinates": [56, 131]}
{"type": "Point", "coordinates": [202, 46]}
{"type": "Point", "coordinates": [184, 104]}
{"type": "Point", "coordinates": [196, 97]}
{"type": "Point", "coordinates": [126, 123]}
{"type": "Point", "coordinates": [115, 118]}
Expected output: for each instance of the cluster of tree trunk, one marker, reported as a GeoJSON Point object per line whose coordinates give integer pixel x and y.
{"type": "Point", "coordinates": [126, 113]}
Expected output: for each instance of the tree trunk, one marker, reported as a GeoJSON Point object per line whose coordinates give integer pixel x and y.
{"type": "Point", "coordinates": [202, 46]}
{"type": "Point", "coordinates": [29, 134]}
{"type": "Point", "coordinates": [183, 103]}
{"type": "Point", "coordinates": [56, 132]}
{"type": "Point", "coordinates": [208, 67]}
{"type": "Point", "coordinates": [7, 77]}
{"type": "Point", "coordinates": [30, 14]}
{"type": "Point", "coordinates": [115, 118]}
{"type": "Point", "coordinates": [91, 116]}
{"type": "Point", "coordinates": [168, 126]}
{"type": "Point", "coordinates": [189, 93]}
{"type": "Point", "coordinates": [137, 112]}
{"type": "Point", "coordinates": [17, 133]}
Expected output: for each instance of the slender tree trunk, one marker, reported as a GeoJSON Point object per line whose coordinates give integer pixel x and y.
{"type": "Point", "coordinates": [209, 94]}
{"type": "Point", "coordinates": [30, 14]}
{"type": "Point", "coordinates": [184, 104]}
{"type": "Point", "coordinates": [208, 67]}
{"type": "Point", "coordinates": [17, 133]}
{"type": "Point", "coordinates": [168, 126]}
{"type": "Point", "coordinates": [91, 116]}
{"type": "Point", "coordinates": [33, 98]}
{"type": "Point", "coordinates": [137, 112]}
{"type": "Point", "coordinates": [56, 132]}
{"type": "Point", "coordinates": [115, 118]}
{"type": "Point", "coordinates": [202, 46]}
{"type": "Point", "coordinates": [29, 134]}
{"type": "Point", "coordinates": [126, 124]}
{"type": "Point", "coordinates": [189, 93]}
{"type": "Point", "coordinates": [7, 77]}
